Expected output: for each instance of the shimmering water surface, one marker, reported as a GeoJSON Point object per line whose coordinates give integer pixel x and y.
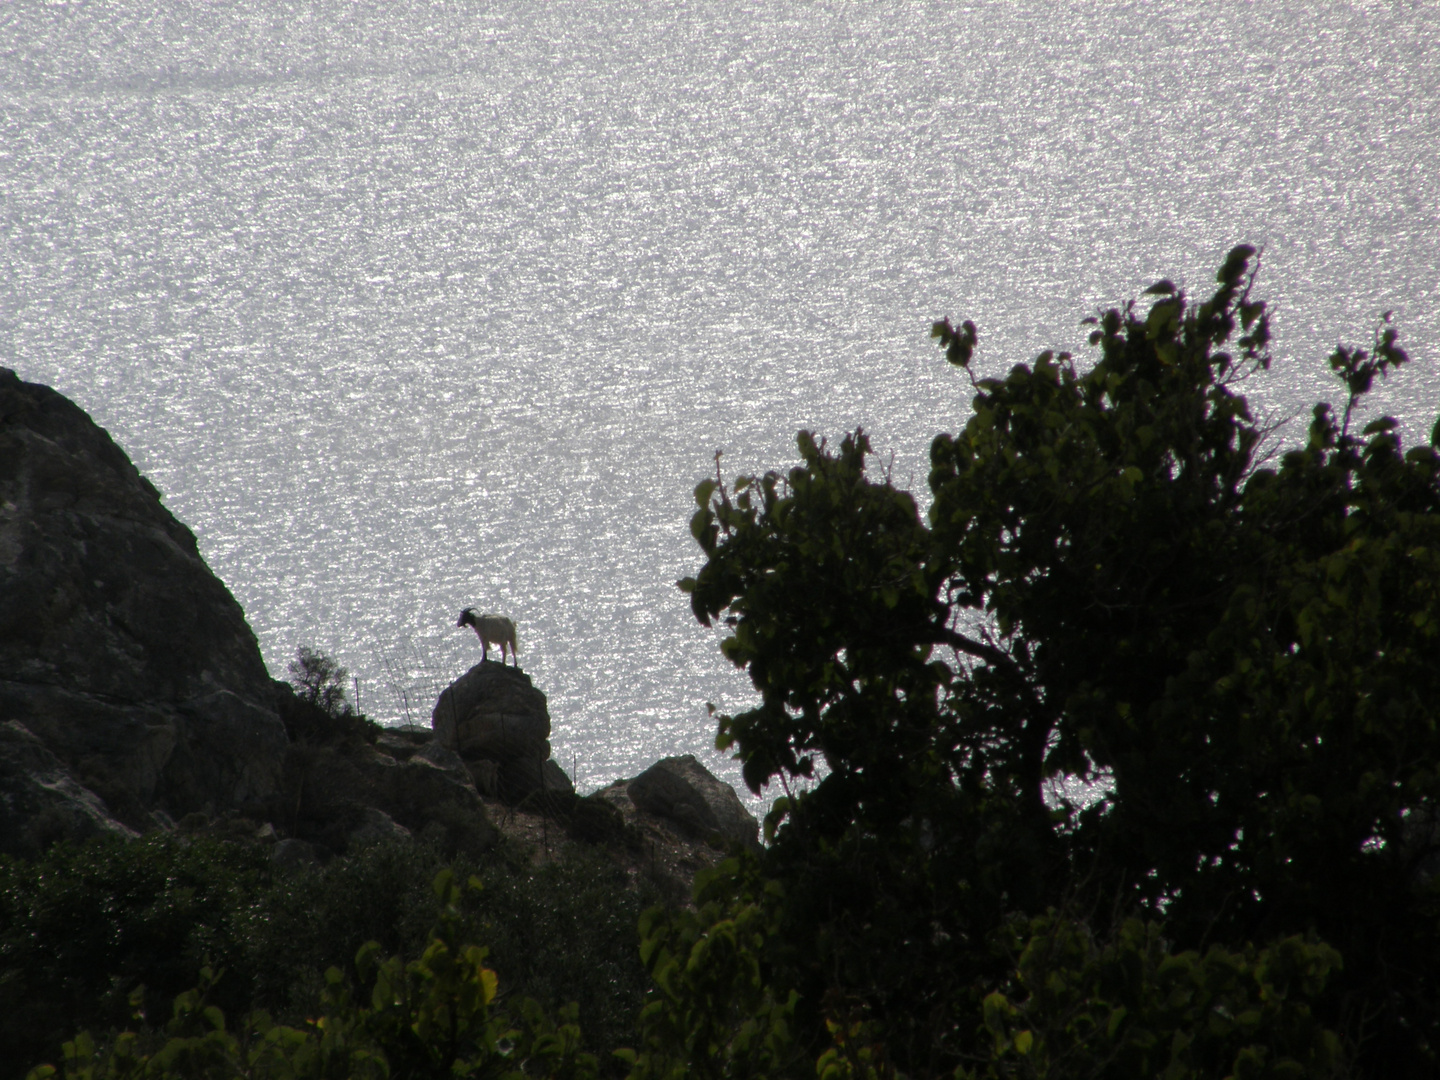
{"type": "Point", "coordinates": [411, 306]}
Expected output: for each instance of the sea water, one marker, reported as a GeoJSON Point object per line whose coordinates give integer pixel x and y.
{"type": "Point", "coordinates": [413, 306]}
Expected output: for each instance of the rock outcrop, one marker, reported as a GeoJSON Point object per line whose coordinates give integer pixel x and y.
{"type": "Point", "coordinates": [120, 652]}
{"type": "Point", "coordinates": [349, 783]}
{"type": "Point", "coordinates": [40, 802]}
{"type": "Point", "coordinates": [133, 697]}
{"type": "Point", "coordinates": [682, 790]}
{"type": "Point", "coordinates": [499, 725]}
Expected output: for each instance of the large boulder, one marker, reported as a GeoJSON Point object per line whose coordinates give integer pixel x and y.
{"type": "Point", "coordinates": [119, 650]}
{"type": "Point", "coordinates": [682, 790]}
{"type": "Point", "coordinates": [499, 724]}
{"type": "Point", "coordinates": [493, 711]}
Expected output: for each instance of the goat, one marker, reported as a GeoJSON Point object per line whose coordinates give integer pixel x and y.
{"type": "Point", "coordinates": [492, 630]}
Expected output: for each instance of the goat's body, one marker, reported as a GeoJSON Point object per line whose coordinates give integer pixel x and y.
{"type": "Point", "coordinates": [492, 630]}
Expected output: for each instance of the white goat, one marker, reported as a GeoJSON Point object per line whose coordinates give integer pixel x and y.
{"type": "Point", "coordinates": [492, 630]}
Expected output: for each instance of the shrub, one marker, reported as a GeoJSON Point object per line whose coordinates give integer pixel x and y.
{"type": "Point", "coordinates": [433, 1016]}
{"type": "Point", "coordinates": [313, 705]}
{"type": "Point", "coordinates": [84, 929]}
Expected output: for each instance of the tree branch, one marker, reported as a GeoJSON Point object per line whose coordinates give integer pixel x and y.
{"type": "Point", "coordinates": [989, 653]}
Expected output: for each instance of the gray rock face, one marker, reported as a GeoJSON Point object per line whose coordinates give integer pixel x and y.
{"type": "Point", "coordinates": [499, 725]}
{"type": "Point", "coordinates": [341, 790]}
{"type": "Point", "coordinates": [119, 649]}
{"type": "Point", "coordinates": [446, 760]}
{"type": "Point", "coordinates": [486, 775]}
{"type": "Point", "coordinates": [40, 802]}
{"type": "Point", "coordinates": [494, 712]}
{"type": "Point", "coordinates": [403, 743]}
{"type": "Point", "coordinates": [685, 792]}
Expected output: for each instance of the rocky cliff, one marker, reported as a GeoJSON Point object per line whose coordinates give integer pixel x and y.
{"type": "Point", "coordinates": [120, 652]}
{"type": "Point", "coordinates": [133, 697]}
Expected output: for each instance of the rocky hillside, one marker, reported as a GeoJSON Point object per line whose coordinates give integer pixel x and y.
{"type": "Point", "coordinates": [133, 697]}
{"type": "Point", "coordinates": [128, 676]}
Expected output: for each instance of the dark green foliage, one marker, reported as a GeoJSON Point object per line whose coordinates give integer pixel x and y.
{"type": "Point", "coordinates": [319, 680]}
{"type": "Point", "coordinates": [566, 931]}
{"type": "Point", "coordinates": [1077, 1008]}
{"type": "Point", "coordinates": [433, 1016]}
{"type": "Point", "coordinates": [1112, 585]}
{"type": "Point", "coordinates": [713, 1012]}
{"type": "Point", "coordinates": [313, 705]}
{"type": "Point", "coordinates": [84, 928]}
{"type": "Point", "coordinates": [310, 920]}
{"type": "Point", "coordinates": [308, 724]}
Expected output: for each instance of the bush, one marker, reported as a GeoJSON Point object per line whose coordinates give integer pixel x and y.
{"type": "Point", "coordinates": [85, 928]}
{"type": "Point", "coordinates": [319, 680]}
{"type": "Point", "coordinates": [313, 705]}
{"type": "Point", "coordinates": [433, 1016]}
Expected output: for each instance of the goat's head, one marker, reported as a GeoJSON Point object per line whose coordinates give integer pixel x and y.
{"type": "Point", "coordinates": [467, 617]}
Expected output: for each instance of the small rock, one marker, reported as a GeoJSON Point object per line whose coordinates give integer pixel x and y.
{"type": "Point", "coordinates": [461, 831]}
{"type": "Point", "coordinates": [401, 743]}
{"type": "Point", "coordinates": [332, 785]}
{"type": "Point", "coordinates": [446, 760]}
{"type": "Point", "coordinates": [525, 776]}
{"type": "Point", "coordinates": [596, 821]}
{"type": "Point", "coordinates": [163, 820]}
{"type": "Point", "coordinates": [554, 778]}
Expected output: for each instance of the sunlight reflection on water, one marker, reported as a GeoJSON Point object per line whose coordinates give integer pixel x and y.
{"type": "Point", "coordinates": [408, 307]}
